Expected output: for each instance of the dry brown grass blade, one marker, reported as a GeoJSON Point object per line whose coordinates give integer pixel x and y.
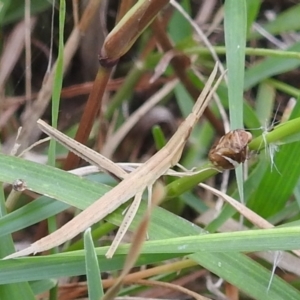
{"type": "Point", "coordinates": [170, 286]}
{"type": "Point", "coordinates": [82, 151]}
{"type": "Point", "coordinates": [158, 270]}
{"type": "Point", "coordinates": [250, 215]}
{"type": "Point", "coordinates": [77, 289]}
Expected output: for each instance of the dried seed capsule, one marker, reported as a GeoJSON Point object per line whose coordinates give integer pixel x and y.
{"type": "Point", "coordinates": [230, 150]}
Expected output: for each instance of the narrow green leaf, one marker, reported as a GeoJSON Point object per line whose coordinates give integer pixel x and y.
{"type": "Point", "coordinates": [184, 100]}
{"type": "Point", "coordinates": [286, 21]}
{"type": "Point", "coordinates": [179, 33]}
{"type": "Point", "coordinates": [58, 80]}
{"type": "Point", "coordinates": [270, 67]}
{"type": "Point", "coordinates": [235, 20]}
{"type": "Point", "coordinates": [264, 103]}
{"type": "Point", "coordinates": [235, 23]}
{"type": "Point", "coordinates": [55, 183]}
{"type": "Point", "coordinates": [253, 7]}
{"type": "Point", "coordinates": [58, 265]}
{"type": "Point", "coordinates": [251, 278]}
{"type": "Point", "coordinates": [284, 238]}
{"type": "Point", "coordinates": [32, 213]}
{"type": "Point", "coordinates": [11, 290]}
{"type": "Point", "coordinates": [42, 286]}
{"type": "Point", "coordinates": [94, 281]}
{"type": "Point", "coordinates": [159, 137]}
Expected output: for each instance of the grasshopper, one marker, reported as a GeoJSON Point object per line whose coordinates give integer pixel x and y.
{"type": "Point", "coordinates": [133, 184]}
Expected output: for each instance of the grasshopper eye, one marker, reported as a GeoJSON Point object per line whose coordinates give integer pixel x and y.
{"type": "Point", "coordinates": [230, 150]}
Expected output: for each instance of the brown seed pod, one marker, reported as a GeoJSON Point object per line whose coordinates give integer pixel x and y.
{"type": "Point", "coordinates": [230, 150]}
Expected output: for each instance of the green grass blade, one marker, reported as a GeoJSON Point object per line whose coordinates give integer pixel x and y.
{"type": "Point", "coordinates": [58, 80]}
{"type": "Point", "coordinates": [286, 21]}
{"type": "Point", "coordinates": [235, 23]}
{"type": "Point", "coordinates": [184, 100]}
{"type": "Point", "coordinates": [42, 286]}
{"type": "Point", "coordinates": [284, 238]}
{"type": "Point", "coordinates": [253, 7]}
{"type": "Point", "coordinates": [56, 92]}
{"type": "Point", "coordinates": [270, 67]}
{"type": "Point", "coordinates": [178, 33]}
{"type": "Point", "coordinates": [32, 213]}
{"type": "Point", "coordinates": [53, 182]}
{"type": "Point", "coordinates": [251, 277]}
{"type": "Point", "coordinates": [38, 268]}
{"type": "Point", "coordinates": [265, 103]}
{"type": "Point", "coordinates": [10, 291]}
{"type": "Point", "coordinates": [158, 136]}
{"type": "Point", "coordinates": [92, 269]}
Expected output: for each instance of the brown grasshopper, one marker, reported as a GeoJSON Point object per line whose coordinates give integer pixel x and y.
{"type": "Point", "coordinates": [133, 184]}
